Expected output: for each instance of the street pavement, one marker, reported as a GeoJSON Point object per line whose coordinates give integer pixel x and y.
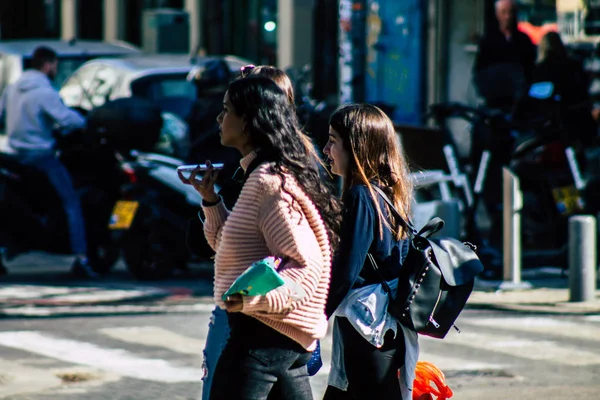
{"type": "Point", "coordinates": [117, 338]}
{"type": "Point", "coordinates": [158, 356]}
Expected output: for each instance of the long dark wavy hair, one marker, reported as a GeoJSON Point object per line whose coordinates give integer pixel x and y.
{"type": "Point", "coordinates": [271, 123]}
{"type": "Point", "coordinates": [375, 155]}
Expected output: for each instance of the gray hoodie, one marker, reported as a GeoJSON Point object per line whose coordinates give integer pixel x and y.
{"type": "Point", "coordinates": [32, 108]}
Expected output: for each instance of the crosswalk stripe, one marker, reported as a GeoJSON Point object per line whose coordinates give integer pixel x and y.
{"type": "Point", "coordinates": [518, 346]}
{"type": "Point", "coordinates": [36, 311]}
{"type": "Point", "coordinates": [158, 337]}
{"type": "Point", "coordinates": [448, 364]}
{"type": "Point", "coordinates": [592, 318]}
{"type": "Point", "coordinates": [541, 325]}
{"type": "Point", "coordinates": [76, 294]}
{"type": "Point", "coordinates": [118, 361]}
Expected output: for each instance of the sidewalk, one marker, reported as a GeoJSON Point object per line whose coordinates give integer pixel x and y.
{"type": "Point", "coordinates": [40, 285]}
{"type": "Point", "coordinates": [549, 294]}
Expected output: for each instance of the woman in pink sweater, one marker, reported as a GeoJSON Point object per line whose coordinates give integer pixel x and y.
{"type": "Point", "coordinates": [284, 210]}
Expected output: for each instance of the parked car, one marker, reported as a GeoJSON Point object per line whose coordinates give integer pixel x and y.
{"type": "Point", "coordinates": [162, 78]}
{"type": "Point", "coordinates": [15, 55]}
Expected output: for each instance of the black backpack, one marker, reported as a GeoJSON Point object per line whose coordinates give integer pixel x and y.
{"type": "Point", "coordinates": [435, 280]}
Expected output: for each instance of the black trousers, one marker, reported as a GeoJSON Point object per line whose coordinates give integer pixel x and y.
{"type": "Point", "coordinates": [372, 373]}
{"type": "Point", "coordinates": [258, 359]}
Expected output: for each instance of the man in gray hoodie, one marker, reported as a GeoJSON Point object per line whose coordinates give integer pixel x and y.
{"type": "Point", "coordinates": [32, 109]}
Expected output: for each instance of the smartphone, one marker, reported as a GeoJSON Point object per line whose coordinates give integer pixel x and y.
{"type": "Point", "coordinates": [186, 170]}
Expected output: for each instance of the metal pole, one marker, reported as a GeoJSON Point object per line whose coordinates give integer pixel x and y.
{"type": "Point", "coordinates": [582, 258]}
{"type": "Point", "coordinates": [512, 205]}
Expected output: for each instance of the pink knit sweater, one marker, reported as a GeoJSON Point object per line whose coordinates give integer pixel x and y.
{"type": "Point", "coordinates": [270, 221]}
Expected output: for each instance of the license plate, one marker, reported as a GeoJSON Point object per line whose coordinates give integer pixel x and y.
{"type": "Point", "coordinates": [567, 200]}
{"type": "Point", "coordinates": [123, 214]}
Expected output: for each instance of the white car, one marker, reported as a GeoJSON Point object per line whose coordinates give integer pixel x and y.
{"type": "Point", "coordinates": [162, 78]}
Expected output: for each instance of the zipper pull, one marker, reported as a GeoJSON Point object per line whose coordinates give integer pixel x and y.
{"type": "Point", "coordinates": [434, 322]}
{"type": "Point", "coordinates": [456, 327]}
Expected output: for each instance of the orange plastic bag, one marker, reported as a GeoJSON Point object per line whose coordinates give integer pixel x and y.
{"type": "Point", "coordinates": [430, 383]}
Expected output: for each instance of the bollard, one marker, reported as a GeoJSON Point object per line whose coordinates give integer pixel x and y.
{"type": "Point", "coordinates": [512, 204]}
{"type": "Point", "coordinates": [582, 258]}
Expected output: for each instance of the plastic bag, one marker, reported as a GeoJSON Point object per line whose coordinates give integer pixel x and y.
{"type": "Point", "coordinates": [430, 383]}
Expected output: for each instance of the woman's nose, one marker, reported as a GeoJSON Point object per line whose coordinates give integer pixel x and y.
{"type": "Point", "coordinates": [220, 117]}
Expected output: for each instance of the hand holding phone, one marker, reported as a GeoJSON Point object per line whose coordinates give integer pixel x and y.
{"type": "Point", "coordinates": [205, 185]}
{"type": "Point", "coordinates": [186, 170]}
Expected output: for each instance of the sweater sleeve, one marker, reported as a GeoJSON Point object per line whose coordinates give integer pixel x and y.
{"type": "Point", "coordinates": [357, 235]}
{"type": "Point", "coordinates": [215, 217]}
{"type": "Point", "coordinates": [59, 112]}
{"type": "Point", "coordinates": [288, 235]}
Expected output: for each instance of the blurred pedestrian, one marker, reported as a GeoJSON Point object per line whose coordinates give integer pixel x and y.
{"type": "Point", "coordinates": [32, 108]}
{"type": "Point", "coordinates": [571, 88]}
{"type": "Point", "coordinates": [505, 59]}
{"type": "Point", "coordinates": [502, 71]}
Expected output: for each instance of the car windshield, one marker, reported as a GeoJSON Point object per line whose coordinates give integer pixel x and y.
{"type": "Point", "coordinates": [66, 67]}
{"type": "Point", "coordinates": [164, 86]}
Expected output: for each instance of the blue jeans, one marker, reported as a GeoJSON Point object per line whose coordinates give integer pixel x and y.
{"type": "Point", "coordinates": [59, 177]}
{"type": "Point", "coordinates": [218, 333]}
{"type": "Point", "coordinates": [257, 361]}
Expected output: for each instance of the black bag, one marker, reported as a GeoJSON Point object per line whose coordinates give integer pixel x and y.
{"type": "Point", "coordinates": [435, 280]}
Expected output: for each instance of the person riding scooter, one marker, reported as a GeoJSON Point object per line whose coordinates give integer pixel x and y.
{"type": "Point", "coordinates": [32, 108]}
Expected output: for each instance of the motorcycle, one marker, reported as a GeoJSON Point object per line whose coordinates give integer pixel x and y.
{"type": "Point", "coordinates": [33, 216]}
{"type": "Point", "coordinates": [32, 212]}
{"type": "Point", "coordinates": [538, 150]}
{"type": "Point", "coordinates": [151, 217]}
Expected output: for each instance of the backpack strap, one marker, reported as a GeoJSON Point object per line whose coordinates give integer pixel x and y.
{"type": "Point", "coordinates": [406, 223]}
{"type": "Point", "coordinates": [384, 284]}
{"type": "Point", "coordinates": [429, 229]}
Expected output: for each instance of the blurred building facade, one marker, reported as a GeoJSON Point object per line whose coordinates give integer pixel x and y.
{"type": "Point", "coordinates": [247, 28]}
{"type": "Point", "coordinates": [402, 54]}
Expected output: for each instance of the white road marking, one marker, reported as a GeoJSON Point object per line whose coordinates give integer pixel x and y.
{"type": "Point", "coordinates": [517, 346]}
{"type": "Point", "coordinates": [447, 364]}
{"type": "Point", "coordinates": [109, 295]}
{"type": "Point", "coordinates": [38, 311]}
{"type": "Point", "coordinates": [31, 291]}
{"type": "Point", "coordinates": [540, 325]}
{"type": "Point", "coordinates": [158, 337]}
{"type": "Point", "coordinates": [114, 360]}
{"type": "Point", "coordinates": [82, 294]}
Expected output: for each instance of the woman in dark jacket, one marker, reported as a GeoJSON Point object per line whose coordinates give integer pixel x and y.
{"type": "Point", "coordinates": [364, 150]}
